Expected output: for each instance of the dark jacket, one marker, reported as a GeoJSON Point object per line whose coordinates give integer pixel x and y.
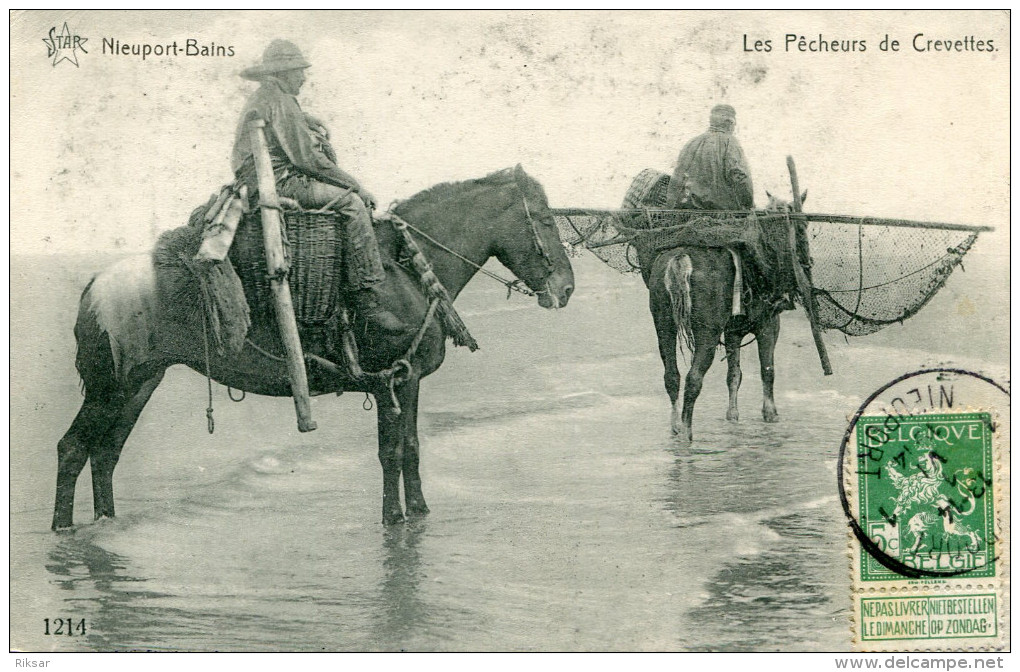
{"type": "Point", "coordinates": [293, 145]}
{"type": "Point", "coordinates": [717, 174]}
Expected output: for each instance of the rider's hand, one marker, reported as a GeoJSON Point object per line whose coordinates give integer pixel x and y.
{"type": "Point", "coordinates": [316, 125]}
{"type": "Point", "coordinates": [368, 198]}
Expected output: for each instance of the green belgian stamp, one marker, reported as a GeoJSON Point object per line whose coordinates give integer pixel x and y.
{"type": "Point", "coordinates": [926, 493]}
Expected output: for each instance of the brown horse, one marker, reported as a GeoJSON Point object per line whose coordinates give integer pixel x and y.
{"type": "Point", "coordinates": [691, 300]}
{"type": "Point", "coordinates": [125, 345]}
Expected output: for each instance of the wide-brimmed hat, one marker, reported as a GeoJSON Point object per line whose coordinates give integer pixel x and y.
{"type": "Point", "coordinates": [279, 56]}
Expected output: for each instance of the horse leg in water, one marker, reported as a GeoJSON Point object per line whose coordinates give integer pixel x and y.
{"type": "Point", "coordinates": [391, 456]}
{"type": "Point", "coordinates": [398, 450]}
{"type": "Point", "coordinates": [666, 332]}
{"type": "Point", "coordinates": [414, 500]}
{"type": "Point", "coordinates": [705, 342]}
{"type": "Point", "coordinates": [767, 334]}
{"type": "Point", "coordinates": [669, 301]}
{"type": "Point", "coordinates": [93, 421]}
{"type": "Point", "coordinates": [706, 287]}
{"type": "Point", "coordinates": [98, 434]}
{"type": "Point", "coordinates": [106, 453]}
{"type": "Point", "coordinates": [102, 424]}
{"type": "Point", "coordinates": [733, 374]}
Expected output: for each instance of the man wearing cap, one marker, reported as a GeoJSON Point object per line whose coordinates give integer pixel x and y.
{"type": "Point", "coordinates": [306, 170]}
{"type": "Point", "coordinates": [711, 172]}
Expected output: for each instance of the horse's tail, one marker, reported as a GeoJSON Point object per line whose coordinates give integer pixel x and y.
{"type": "Point", "coordinates": [93, 357]}
{"type": "Point", "coordinates": [677, 278]}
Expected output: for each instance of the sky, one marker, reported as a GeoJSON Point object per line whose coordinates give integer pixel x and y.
{"type": "Point", "coordinates": [108, 153]}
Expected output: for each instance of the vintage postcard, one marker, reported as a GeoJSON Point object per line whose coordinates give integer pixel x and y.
{"type": "Point", "coordinates": [373, 331]}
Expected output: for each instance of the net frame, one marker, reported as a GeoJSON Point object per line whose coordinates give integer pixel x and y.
{"type": "Point", "coordinates": [909, 282]}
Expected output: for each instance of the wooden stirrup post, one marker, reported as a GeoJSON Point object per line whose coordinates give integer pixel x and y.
{"type": "Point", "coordinates": [276, 265]}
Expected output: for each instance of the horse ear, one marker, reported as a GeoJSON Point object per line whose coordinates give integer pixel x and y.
{"type": "Point", "coordinates": [518, 173]}
{"type": "Point", "coordinates": [803, 197]}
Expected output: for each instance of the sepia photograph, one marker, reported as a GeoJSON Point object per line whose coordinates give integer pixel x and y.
{"type": "Point", "coordinates": [509, 331]}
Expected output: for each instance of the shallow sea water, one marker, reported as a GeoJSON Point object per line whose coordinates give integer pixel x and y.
{"type": "Point", "coordinates": [564, 515]}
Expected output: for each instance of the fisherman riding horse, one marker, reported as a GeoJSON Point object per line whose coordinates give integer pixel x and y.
{"type": "Point", "coordinates": [306, 170]}
{"type": "Point", "coordinates": [695, 295]}
{"type": "Point", "coordinates": [127, 336]}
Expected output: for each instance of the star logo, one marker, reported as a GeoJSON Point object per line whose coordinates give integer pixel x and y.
{"type": "Point", "coordinates": [64, 46]}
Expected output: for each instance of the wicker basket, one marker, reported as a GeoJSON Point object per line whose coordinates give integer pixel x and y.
{"type": "Point", "coordinates": [313, 245]}
{"type": "Point", "coordinates": [648, 190]}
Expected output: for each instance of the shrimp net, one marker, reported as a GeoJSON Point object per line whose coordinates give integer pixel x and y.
{"type": "Point", "coordinates": [865, 273]}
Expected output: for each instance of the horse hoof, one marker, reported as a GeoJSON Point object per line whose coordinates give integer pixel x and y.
{"type": "Point", "coordinates": [771, 417]}
{"type": "Point", "coordinates": [393, 518]}
{"type": "Point", "coordinates": [733, 416]}
{"type": "Point", "coordinates": [417, 510]}
{"type": "Point", "coordinates": [683, 435]}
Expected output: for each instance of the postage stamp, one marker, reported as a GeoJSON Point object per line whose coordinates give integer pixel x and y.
{"type": "Point", "coordinates": [925, 471]}
{"type": "Point", "coordinates": [941, 514]}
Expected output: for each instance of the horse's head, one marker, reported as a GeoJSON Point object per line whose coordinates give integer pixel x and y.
{"type": "Point", "coordinates": [777, 204]}
{"type": "Point", "coordinates": [503, 215]}
{"type": "Point", "coordinates": [527, 241]}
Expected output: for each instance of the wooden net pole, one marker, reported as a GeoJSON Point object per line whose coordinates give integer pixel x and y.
{"type": "Point", "coordinates": [276, 265]}
{"type": "Point", "coordinates": [821, 218]}
{"type": "Point", "coordinates": [806, 291]}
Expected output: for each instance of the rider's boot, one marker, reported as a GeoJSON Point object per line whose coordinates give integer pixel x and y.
{"type": "Point", "coordinates": [368, 304]}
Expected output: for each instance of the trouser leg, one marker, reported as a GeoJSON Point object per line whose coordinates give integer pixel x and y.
{"type": "Point", "coordinates": [361, 251]}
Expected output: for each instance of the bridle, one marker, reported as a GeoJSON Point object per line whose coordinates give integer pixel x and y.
{"type": "Point", "coordinates": [511, 285]}
{"type": "Point", "coordinates": [539, 245]}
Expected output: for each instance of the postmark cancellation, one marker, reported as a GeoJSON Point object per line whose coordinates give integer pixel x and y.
{"type": "Point", "coordinates": [924, 470]}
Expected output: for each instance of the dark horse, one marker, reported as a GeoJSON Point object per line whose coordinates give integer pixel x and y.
{"type": "Point", "coordinates": [691, 299]}
{"type": "Point", "coordinates": [504, 215]}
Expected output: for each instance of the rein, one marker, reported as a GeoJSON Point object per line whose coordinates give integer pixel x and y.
{"type": "Point", "coordinates": [511, 285]}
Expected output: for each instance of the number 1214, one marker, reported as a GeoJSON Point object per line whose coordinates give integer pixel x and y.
{"type": "Point", "coordinates": [64, 626]}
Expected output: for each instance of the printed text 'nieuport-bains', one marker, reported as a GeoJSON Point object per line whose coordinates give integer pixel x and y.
{"type": "Point", "coordinates": [189, 47]}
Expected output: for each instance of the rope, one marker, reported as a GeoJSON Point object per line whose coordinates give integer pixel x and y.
{"type": "Point", "coordinates": [725, 355]}
{"type": "Point", "coordinates": [418, 337]}
{"type": "Point", "coordinates": [396, 374]}
{"type": "Point", "coordinates": [582, 238]}
{"type": "Point", "coordinates": [264, 353]}
{"type": "Point", "coordinates": [208, 375]}
{"type": "Point", "coordinates": [891, 282]}
{"type": "Point", "coordinates": [421, 330]}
